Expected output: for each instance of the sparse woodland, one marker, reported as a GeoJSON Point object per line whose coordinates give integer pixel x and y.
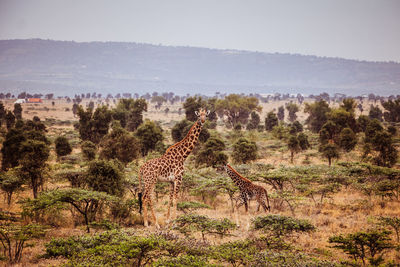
{"type": "Point", "coordinates": [330, 165]}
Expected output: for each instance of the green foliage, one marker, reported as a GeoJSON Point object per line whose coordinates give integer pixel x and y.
{"type": "Point", "coordinates": [211, 153]}
{"type": "Point", "coordinates": [271, 121]}
{"type": "Point", "coordinates": [190, 223]}
{"type": "Point", "coordinates": [281, 132]}
{"type": "Point", "coordinates": [106, 176]}
{"type": "Point", "coordinates": [238, 253]}
{"type": "Point", "coordinates": [294, 147]}
{"type": "Point", "coordinates": [11, 148]}
{"type": "Point", "coordinates": [292, 109]}
{"type": "Point", "coordinates": [393, 222]}
{"type": "Point", "coordinates": [191, 105]}
{"type": "Point", "coordinates": [317, 115]}
{"type": "Point", "coordinates": [329, 151]}
{"type": "Point", "coordinates": [392, 113]}
{"type": "Point", "coordinates": [190, 206]}
{"type": "Point", "coordinates": [120, 144]}
{"type": "Point", "coordinates": [281, 113]}
{"type": "Point", "coordinates": [375, 113]}
{"type": "Point", "coordinates": [347, 139]}
{"type": "Point", "coordinates": [87, 203]}
{"type": "Point", "coordinates": [18, 111]}
{"type": "Point", "coordinates": [10, 119]}
{"type": "Point", "coordinates": [129, 112]}
{"type": "Point", "coordinates": [183, 261]}
{"type": "Point", "coordinates": [93, 126]}
{"type": "Point", "coordinates": [10, 182]}
{"type": "Point", "coordinates": [244, 150]}
{"type": "Point", "coordinates": [149, 134]}
{"type": "Point", "coordinates": [182, 128]}
{"type": "Point", "coordinates": [63, 147]}
{"type": "Point", "coordinates": [279, 225]}
{"type": "Point", "coordinates": [254, 121]}
{"type": "Point", "coordinates": [34, 155]}
{"type": "Point", "coordinates": [88, 150]}
{"type": "Point", "coordinates": [379, 141]}
{"type": "Point", "coordinates": [303, 141]}
{"type": "Point", "coordinates": [14, 238]}
{"type": "Point", "coordinates": [363, 245]}
{"type": "Point", "coordinates": [237, 108]}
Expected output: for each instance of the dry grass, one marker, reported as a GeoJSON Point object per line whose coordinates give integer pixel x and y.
{"type": "Point", "coordinates": [347, 211]}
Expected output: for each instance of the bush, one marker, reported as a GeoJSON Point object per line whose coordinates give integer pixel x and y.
{"type": "Point", "coordinates": [211, 153]}
{"type": "Point", "coordinates": [149, 134]}
{"type": "Point", "coordinates": [63, 147]}
{"type": "Point", "coordinates": [88, 150]}
{"type": "Point", "coordinates": [279, 225]}
{"type": "Point", "coordinates": [190, 206]}
{"type": "Point", "coordinates": [244, 150]}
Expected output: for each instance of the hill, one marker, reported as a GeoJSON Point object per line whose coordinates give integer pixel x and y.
{"type": "Point", "coordinates": [66, 67]}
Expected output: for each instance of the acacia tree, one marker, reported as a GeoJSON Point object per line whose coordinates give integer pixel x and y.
{"type": "Point", "coordinates": [88, 150]}
{"type": "Point", "coordinates": [211, 153]}
{"type": "Point", "coordinates": [10, 119]}
{"type": "Point", "coordinates": [329, 151]}
{"type": "Point", "coordinates": [294, 146]}
{"type": "Point", "coordinates": [10, 182]}
{"type": "Point", "coordinates": [254, 121]}
{"type": "Point", "coordinates": [237, 108]}
{"type": "Point", "coordinates": [18, 111]}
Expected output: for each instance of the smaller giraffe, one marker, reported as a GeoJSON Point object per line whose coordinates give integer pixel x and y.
{"type": "Point", "coordinates": [248, 190]}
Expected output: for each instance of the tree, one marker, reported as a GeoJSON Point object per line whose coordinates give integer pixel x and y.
{"type": "Point", "coordinates": [10, 182]}
{"type": "Point", "coordinates": [2, 113]}
{"type": "Point", "coordinates": [211, 153]}
{"type": "Point", "coordinates": [14, 237]}
{"type": "Point", "coordinates": [271, 121]}
{"type": "Point", "coordinates": [191, 105]}
{"type": "Point", "coordinates": [120, 144]}
{"type": "Point", "coordinates": [88, 150]}
{"type": "Point", "coordinates": [279, 225]}
{"type": "Point", "coordinates": [254, 121]}
{"type": "Point", "coordinates": [18, 111]}
{"type": "Point", "coordinates": [93, 126]}
{"type": "Point", "coordinates": [11, 148]}
{"type": "Point", "coordinates": [158, 99]}
{"type": "Point", "coordinates": [375, 113]}
{"type": "Point", "coordinates": [63, 147]}
{"type": "Point", "coordinates": [86, 202]}
{"type": "Point", "coordinates": [292, 109]}
{"type": "Point", "coordinates": [360, 245]}
{"type": "Point", "coordinates": [392, 113]}
{"type": "Point", "coordinates": [10, 119]}
{"type": "Point", "coordinates": [149, 134]}
{"type": "Point", "coordinates": [349, 105]}
{"type": "Point", "coordinates": [393, 222]}
{"type": "Point", "coordinates": [347, 139]}
{"type": "Point", "coordinates": [106, 176]}
{"type": "Point", "coordinates": [317, 115]}
{"type": "Point", "coordinates": [303, 141]}
{"type": "Point", "coordinates": [329, 151]}
{"type": "Point", "coordinates": [281, 113]}
{"type": "Point", "coordinates": [294, 146]}
{"type": "Point", "coordinates": [34, 155]}
{"type": "Point", "coordinates": [130, 113]}
{"type": "Point", "coordinates": [237, 108]}
{"type": "Point", "coordinates": [244, 150]}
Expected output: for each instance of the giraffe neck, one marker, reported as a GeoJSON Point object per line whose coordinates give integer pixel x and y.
{"type": "Point", "coordinates": [183, 148]}
{"type": "Point", "coordinates": [236, 177]}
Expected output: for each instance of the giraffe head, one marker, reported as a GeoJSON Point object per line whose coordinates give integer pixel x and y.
{"type": "Point", "coordinates": [202, 114]}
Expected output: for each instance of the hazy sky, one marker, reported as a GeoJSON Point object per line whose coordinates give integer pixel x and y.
{"type": "Point", "coordinates": [355, 29]}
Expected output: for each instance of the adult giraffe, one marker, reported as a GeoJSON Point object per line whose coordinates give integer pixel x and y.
{"type": "Point", "coordinates": [168, 168]}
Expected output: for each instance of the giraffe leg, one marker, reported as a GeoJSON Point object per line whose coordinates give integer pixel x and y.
{"type": "Point", "coordinates": [171, 195]}
{"type": "Point", "coordinates": [153, 214]}
{"type": "Point", "coordinates": [177, 185]}
{"type": "Point", "coordinates": [146, 223]}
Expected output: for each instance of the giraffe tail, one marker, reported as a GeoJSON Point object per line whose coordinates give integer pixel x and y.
{"type": "Point", "coordinates": [266, 194]}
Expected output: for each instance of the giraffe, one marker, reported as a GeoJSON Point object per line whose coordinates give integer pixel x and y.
{"type": "Point", "coordinates": [168, 168]}
{"type": "Point", "coordinates": [248, 190]}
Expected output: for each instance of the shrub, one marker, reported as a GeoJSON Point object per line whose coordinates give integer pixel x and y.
{"type": "Point", "coordinates": [244, 150]}
{"type": "Point", "coordinates": [211, 153]}
{"type": "Point", "coordinates": [63, 147]}
{"type": "Point", "coordinates": [190, 206]}
{"type": "Point", "coordinates": [88, 150]}
{"type": "Point", "coordinates": [279, 225]}
{"type": "Point", "coordinates": [149, 134]}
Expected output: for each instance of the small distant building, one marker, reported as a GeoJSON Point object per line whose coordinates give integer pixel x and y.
{"type": "Point", "coordinates": [34, 100]}
{"type": "Point", "coordinates": [20, 101]}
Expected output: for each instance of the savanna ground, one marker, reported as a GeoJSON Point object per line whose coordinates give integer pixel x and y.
{"type": "Point", "coordinates": [342, 211]}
